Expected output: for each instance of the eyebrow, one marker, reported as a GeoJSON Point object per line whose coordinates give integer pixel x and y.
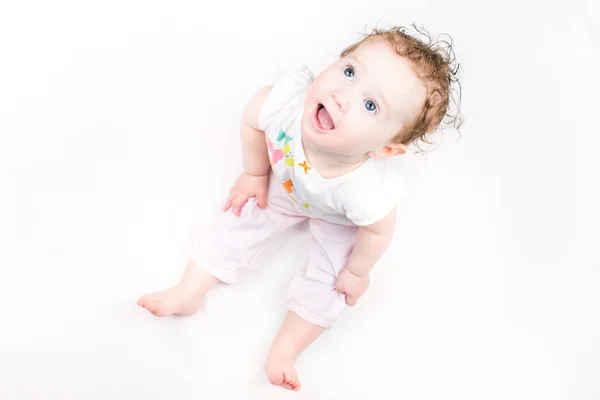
{"type": "Point", "coordinates": [353, 57]}
{"type": "Point", "coordinates": [387, 108]}
{"type": "Point", "coordinates": [379, 94]}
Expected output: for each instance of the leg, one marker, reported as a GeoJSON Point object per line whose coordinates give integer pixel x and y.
{"type": "Point", "coordinates": [183, 299]}
{"type": "Point", "coordinates": [295, 335]}
{"type": "Point", "coordinates": [225, 253]}
{"type": "Point", "coordinates": [314, 303]}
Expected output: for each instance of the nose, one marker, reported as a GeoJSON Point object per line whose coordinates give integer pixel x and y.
{"type": "Point", "coordinates": [341, 99]}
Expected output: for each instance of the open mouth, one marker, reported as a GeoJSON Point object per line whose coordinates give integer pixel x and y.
{"type": "Point", "coordinates": [323, 120]}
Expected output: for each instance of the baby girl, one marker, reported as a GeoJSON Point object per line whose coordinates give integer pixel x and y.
{"type": "Point", "coordinates": [319, 149]}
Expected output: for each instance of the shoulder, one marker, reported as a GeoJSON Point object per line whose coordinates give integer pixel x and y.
{"type": "Point", "coordinates": [373, 193]}
{"type": "Point", "coordinates": [288, 93]}
{"type": "Point", "coordinates": [299, 78]}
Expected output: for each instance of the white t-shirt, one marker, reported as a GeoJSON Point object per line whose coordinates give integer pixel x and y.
{"type": "Point", "coordinates": [360, 197]}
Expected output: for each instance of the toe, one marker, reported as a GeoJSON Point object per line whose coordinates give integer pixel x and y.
{"type": "Point", "coordinates": [157, 309]}
{"type": "Point", "coordinates": [276, 378]}
{"type": "Point", "coordinates": [142, 302]}
{"type": "Point", "coordinates": [291, 379]}
{"type": "Point", "coordinates": [295, 385]}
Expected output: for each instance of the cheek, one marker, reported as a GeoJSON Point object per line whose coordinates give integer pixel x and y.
{"type": "Point", "coordinates": [359, 123]}
{"type": "Point", "coordinates": [366, 134]}
{"type": "Point", "coordinates": [312, 92]}
{"type": "Point", "coordinates": [326, 81]}
{"type": "Point", "coordinates": [318, 82]}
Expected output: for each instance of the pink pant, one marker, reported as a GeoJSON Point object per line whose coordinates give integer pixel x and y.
{"type": "Point", "coordinates": [228, 250]}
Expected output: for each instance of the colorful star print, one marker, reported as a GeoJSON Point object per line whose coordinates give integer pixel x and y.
{"type": "Point", "coordinates": [304, 165]}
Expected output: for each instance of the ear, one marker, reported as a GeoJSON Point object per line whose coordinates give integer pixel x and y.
{"type": "Point", "coordinates": [390, 150]}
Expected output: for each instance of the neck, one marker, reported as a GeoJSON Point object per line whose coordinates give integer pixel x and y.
{"type": "Point", "coordinates": [330, 165]}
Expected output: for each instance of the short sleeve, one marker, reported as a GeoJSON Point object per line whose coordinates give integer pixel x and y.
{"type": "Point", "coordinates": [375, 198]}
{"type": "Point", "coordinates": [288, 93]}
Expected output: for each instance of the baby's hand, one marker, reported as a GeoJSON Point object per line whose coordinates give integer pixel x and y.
{"type": "Point", "coordinates": [351, 285]}
{"type": "Point", "coordinates": [247, 186]}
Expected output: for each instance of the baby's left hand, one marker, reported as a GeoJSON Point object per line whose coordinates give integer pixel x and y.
{"type": "Point", "coordinates": [351, 285]}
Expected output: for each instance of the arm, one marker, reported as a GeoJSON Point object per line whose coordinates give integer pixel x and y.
{"type": "Point", "coordinates": [255, 179]}
{"type": "Point", "coordinates": [371, 242]}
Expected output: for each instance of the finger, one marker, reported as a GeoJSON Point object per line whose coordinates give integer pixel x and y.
{"type": "Point", "coordinates": [351, 300]}
{"type": "Point", "coordinates": [228, 203]}
{"type": "Point", "coordinates": [261, 199]}
{"type": "Point", "coordinates": [339, 286]}
{"type": "Point", "coordinates": [238, 203]}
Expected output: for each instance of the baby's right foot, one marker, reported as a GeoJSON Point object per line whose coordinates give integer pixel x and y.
{"type": "Point", "coordinates": [177, 300]}
{"type": "Point", "coordinates": [183, 299]}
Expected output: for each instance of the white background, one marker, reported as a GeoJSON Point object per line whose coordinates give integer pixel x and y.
{"type": "Point", "coordinates": [119, 129]}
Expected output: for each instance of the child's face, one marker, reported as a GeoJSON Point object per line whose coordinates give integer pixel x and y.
{"type": "Point", "coordinates": [359, 104]}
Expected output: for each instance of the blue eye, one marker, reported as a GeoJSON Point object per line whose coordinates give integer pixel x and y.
{"type": "Point", "coordinates": [349, 72]}
{"type": "Point", "coordinates": [371, 106]}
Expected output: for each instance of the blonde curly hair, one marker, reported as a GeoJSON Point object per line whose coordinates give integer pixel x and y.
{"type": "Point", "coordinates": [434, 65]}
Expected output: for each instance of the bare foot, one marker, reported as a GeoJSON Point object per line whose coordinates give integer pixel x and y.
{"type": "Point", "coordinates": [177, 300]}
{"type": "Point", "coordinates": [183, 299]}
{"type": "Point", "coordinates": [281, 372]}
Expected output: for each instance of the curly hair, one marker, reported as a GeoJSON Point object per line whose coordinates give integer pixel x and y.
{"type": "Point", "coordinates": [435, 67]}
